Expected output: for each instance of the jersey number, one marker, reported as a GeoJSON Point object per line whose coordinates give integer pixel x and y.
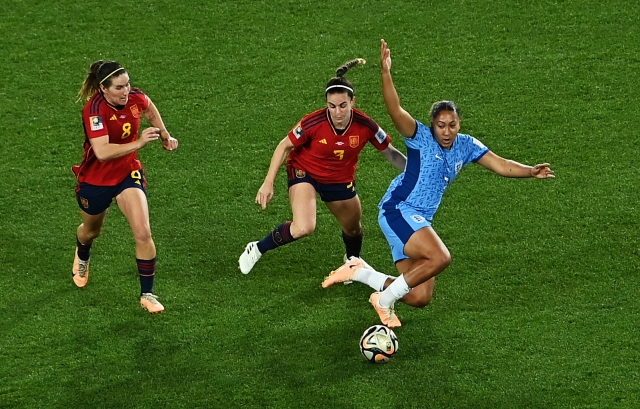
{"type": "Point", "coordinates": [339, 153]}
{"type": "Point", "coordinates": [126, 130]}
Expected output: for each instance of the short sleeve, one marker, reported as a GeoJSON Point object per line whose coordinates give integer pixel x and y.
{"type": "Point", "coordinates": [380, 139]}
{"type": "Point", "coordinates": [297, 135]}
{"type": "Point", "coordinates": [421, 138]}
{"type": "Point", "coordinates": [477, 149]}
{"type": "Point", "coordinates": [94, 124]}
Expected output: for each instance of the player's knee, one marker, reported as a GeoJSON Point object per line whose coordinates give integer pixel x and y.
{"type": "Point", "coordinates": [354, 231]}
{"type": "Point", "coordinates": [420, 296]}
{"type": "Point", "coordinates": [300, 230]}
{"type": "Point", "coordinates": [442, 259]}
{"type": "Point", "coordinates": [142, 235]}
{"type": "Point", "coordinates": [91, 234]}
{"type": "Point", "coordinates": [425, 298]}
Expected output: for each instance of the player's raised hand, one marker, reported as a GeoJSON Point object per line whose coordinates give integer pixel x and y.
{"type": "Point", "coordinates": [385, 56]}
{"type": "Point", "coordinates": [265, 194]}
{"type": "Point", "coordinates": [542, 171]}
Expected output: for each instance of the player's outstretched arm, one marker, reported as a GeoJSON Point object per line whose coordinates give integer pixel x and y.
{"type": "Point", "coordinates": [403, 121]}
{"type": "Point", "coordinates": [512, 169]}
{"type": "Point", "coordinates": [265, 193]}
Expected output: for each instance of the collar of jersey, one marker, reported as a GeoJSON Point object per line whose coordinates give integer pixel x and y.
{"type": "Point", "coordinates": [333, 128]}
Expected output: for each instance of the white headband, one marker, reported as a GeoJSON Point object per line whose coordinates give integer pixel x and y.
{"type": "Point", "coordinates": [338, 86]}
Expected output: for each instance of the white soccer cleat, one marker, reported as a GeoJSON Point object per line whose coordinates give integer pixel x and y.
{"type": "Point", "coordinates": [249, 257]}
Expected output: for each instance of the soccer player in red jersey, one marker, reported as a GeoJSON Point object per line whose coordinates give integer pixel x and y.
{"type": "Point", "coordinates": [110, 168]}
{"type": "Point", "coordinates": [323, 150]}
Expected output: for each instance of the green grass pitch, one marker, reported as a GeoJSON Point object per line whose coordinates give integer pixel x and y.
{"type": "Point", "coordinates": [539, 308]}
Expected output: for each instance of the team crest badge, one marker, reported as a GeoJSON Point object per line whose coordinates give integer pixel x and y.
{"type": "Point", "coordinates": [458, 167]}
{"type": "Point", "coordinates": [300, 173]}
{"type": "Point", "coordinates": [134, 111]}
{"type": "Point", "coordinates": [84, 202]}
{"type": "Point", "coordinates": [354, 141]}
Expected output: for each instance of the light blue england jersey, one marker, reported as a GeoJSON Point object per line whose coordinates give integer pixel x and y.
{"type": "Point", "coordinates": [429, 170]}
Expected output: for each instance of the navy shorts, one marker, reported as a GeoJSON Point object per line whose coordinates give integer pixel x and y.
{"type": "Point", "coordinates": [328, 192]}
{"type": "Point", "coordinates": [94, 199]}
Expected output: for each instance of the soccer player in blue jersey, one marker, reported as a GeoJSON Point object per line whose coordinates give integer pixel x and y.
{"type": "Point", "coordinates": [435, 156]}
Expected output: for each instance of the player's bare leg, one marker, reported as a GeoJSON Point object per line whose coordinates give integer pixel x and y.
{"type": "Point", "coordinates": [302, 197]}
{"type": "Point", "coordinates": [420, 295]}
{"type": "Point", "coordinates": [133, 204]}
{"type": "Point", "coordinates": [303, 203]}
{"type": "Point", "coordinates": [428, 257]}
{"type": "Point", "coordinates": [431, 258]}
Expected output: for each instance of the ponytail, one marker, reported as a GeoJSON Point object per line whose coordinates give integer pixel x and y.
{"type": "Point", "coordinates": [339, 83]}
{"type": "Point", "coordinates": [348, 65]}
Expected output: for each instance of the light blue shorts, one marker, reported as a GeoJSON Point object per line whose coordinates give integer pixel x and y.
{"type": "Point", "coordinates": [398, 225]}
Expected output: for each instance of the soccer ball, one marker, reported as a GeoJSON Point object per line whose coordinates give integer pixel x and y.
{"type": "Point", "coordinates": [378, 344]}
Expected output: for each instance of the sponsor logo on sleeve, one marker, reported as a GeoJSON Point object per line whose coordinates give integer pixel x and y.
{"type": "Point", "coordinates": [297, 131]}
{"type": "Point", "coordinates": [381, 135]}
{"type": "Point", "coordinates": [96, 123]}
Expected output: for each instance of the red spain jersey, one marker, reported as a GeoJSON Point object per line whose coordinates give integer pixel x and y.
{"type": "Point", "coordinates": [100, 118]}
{"type": "Point", "coordinates": [327, 156]}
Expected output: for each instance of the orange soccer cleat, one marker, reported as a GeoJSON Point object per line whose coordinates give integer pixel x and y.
{"type": "Point", "coordinates": [344, 274]}
{"type": "Point", "coordinates": [80, 271]}
{"type": "Point", "coordinates": [387, 315]}
{"type": "Point", "coordinates": [150, 303]}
